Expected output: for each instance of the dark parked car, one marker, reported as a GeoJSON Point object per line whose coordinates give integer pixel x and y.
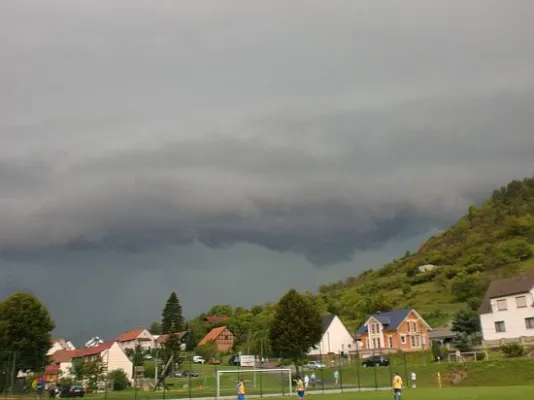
{"type": "Point", "coordinates": [379, 361]}
{"type": "Point", "coordinates": [234, 360]}
{"type": "Point", "coordinates": [189, 372]}
{"type": "Point", "coordinates": [71, 391]}
{"type": "Point", "coordinates": [175, 374]}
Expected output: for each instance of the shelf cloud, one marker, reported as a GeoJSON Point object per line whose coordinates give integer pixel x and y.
{"type": "Point", "coordinates": [320, 131]}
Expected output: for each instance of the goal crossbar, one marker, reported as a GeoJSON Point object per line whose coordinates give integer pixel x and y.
{"type": "Point", "coordinates": [252, 371]}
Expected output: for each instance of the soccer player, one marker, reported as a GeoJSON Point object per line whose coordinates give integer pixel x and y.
{"type": "Point", "coordinates": [241, 390]}
{"type": "Point", "coordinates": [300, 388]}
{"type": "Point", "coordinates": [397, 386]}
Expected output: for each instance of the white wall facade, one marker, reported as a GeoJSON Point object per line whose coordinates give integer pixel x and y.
{"type": "Point", "coordinates": [64, 369]}
{"type": "Point", "coordinates": [514, 318]}
{"type": "Point", "coordinates": [56, 346]}
{"type": "Point", "coordinates": [336, 339]}
{"type": "Point", "coordinates": [117, 360]}
{"type": "Point", "coordinates": [375, 337]}
{"type": "Point", "coordinates": [141, 340]}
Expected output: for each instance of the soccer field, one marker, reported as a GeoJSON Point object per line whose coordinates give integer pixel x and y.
{"type": "Point", "coordinates": [464, 393]}
{"type": "Point", "coordinates": [470, 393]}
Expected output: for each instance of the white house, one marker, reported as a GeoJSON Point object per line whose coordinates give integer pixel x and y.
{"type": "Point", "coordinates": [507, 312]}
{"type": "Point", "coordinates": [111, 354]}
{"type": "Point", "coordinates": [336, 338]}
{"type": "Point", "coordinates": [60, 344]}
{"type": "Point", "coordinates": [141, 336]}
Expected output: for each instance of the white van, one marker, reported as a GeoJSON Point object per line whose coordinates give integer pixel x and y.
{"type": "Point", "coordinates": [198, 360]}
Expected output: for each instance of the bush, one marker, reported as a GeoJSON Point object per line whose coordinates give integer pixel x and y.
{"type": "Point", "coordinates": [512, 350]}
{"type": "Point", "coordinates": [209, 350]}
{"type": "Point", "coordinates": [119, 378]}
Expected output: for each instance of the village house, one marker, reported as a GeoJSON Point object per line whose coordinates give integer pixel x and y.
{"type": "Point", "coordinates": [336, 338]}
{"type": "Point", "coordinates": [59, 344]}
{"type": "Point", "coordinates": [402, 330]}
{"type": "Point", "coordinates": [159, 340]}
{"type": "Point", "coordinates": [507, 311]}
{"type": "Point", "coordinates": [141, 337]}
{"type": "Point", "coordinates": [111, 354]}
{"type": "Point", "coordinates": [223, 338]}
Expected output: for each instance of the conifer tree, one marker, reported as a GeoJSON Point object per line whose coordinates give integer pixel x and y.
{"type": "Point", "coordinates": [172, 319]}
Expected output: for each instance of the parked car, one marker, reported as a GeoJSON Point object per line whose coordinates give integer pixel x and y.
{"type": "Point", "coordinates": [189, 372]}
{"type": "Point", "coordinates": [315, 365]}
{"type": "Point", "coordinates": [198, 360]}
{"type": "Point", "coordinates": [71, 391]}
{"type": "Point", "coordinates": [234, 360]}
{"type": "Point", "coordinates": [175, 374]}
{"type": "Point", "coordinates": [378, 360]}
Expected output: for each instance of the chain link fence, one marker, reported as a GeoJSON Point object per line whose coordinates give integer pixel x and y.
{"type": "Point", "coordinates": [369, 371]}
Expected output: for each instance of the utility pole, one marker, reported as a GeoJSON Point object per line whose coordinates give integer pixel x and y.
{"type": "Point", "coordinates": [156, 365]}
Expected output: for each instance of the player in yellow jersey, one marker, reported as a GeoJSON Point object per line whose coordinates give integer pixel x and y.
{"type": "Point", "coordinates": [241, 390]}
{"type": "Point", "coordinates": [397, 387]}
{"type": "Point", "coordinates": [300, 388]}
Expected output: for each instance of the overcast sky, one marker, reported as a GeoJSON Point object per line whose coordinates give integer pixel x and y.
{"type": "Point", "coordinates": [230, 150]}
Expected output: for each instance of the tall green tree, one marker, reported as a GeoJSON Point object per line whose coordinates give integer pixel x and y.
{"type": "Point", "coordinates": [25, 330]}
{"type": "Point", "coordinates": [466, 321]}
{"type": "Point", "coordinates": [155, 328]}
{"type": "Point", "coordinates": [172, 319]}
{"type": "Point", "coordinates": [295, 328]}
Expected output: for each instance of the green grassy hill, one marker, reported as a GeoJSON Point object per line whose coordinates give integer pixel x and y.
{"type": "Point", "coordinates": [493, 240]}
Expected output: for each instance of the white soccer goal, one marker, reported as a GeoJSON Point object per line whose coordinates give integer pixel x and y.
{"type": "Point", "coordinates": [252, 381]}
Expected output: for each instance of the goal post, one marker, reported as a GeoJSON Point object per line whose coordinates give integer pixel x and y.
{"type": "Point", "coordinates": [250, 374]}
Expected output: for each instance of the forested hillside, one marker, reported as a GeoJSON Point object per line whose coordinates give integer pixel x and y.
{"type": "Point", "coordinates": [493, 240]}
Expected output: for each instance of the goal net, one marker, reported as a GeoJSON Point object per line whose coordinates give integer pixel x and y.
{"type": "Point", "coordinates": [257, 381]}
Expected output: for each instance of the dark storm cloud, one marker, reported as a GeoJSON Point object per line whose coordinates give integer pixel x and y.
{"type": "Point", "coordinates": [136, 138]}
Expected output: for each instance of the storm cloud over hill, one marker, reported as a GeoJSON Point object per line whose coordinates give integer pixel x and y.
{"type": "Point", "coordinates": [184, 136]}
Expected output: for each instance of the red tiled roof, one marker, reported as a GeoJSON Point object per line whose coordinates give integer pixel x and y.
{"type": "Point", "coordinates": [130, 335]}
{"type": "Point", "coordinates": [63, 355]}
{"type": "Point", "coordinates": [52, 369]}
{"type": "Point", "coordinates": [215, 319]}
{"type": "Point", "coordinates": [91, 351]}
{"type": "Point", "coordinates": [163, 338]}
{"type": "Point", "coordinates": [212, 335]}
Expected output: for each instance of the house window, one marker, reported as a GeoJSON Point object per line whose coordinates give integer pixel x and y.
{"type": "Point", "coordinates": [423, 339]}
{"type": "Point", "coordinates": [529, 323]}
{"type": "Point", "coordinates": [412, 342]}
{"type": "Point", "coordinates": [415, 326]}
{"type": "Point", "coordinates": [378, 343]}
{"type": "Point", "coordinates": [501, 305]}
{"type": "Point", "coordinates": [390, 339]}
{"type": "Point", "coordinates": [372, 328]}
{"type": "Point", "coordinates": [500, 327]}
{"type": "Point", "coordinates": [403, 339]}
{"type": "Point", "coordinates": [408, 326]}
{"type": "Point", "coordinates": [521, 301]}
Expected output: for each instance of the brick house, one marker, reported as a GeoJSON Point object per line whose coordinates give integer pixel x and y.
{"type": "Point", "coordinates": [223, 338]}
{"type": "Point", "coordinates": [402, 330]}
